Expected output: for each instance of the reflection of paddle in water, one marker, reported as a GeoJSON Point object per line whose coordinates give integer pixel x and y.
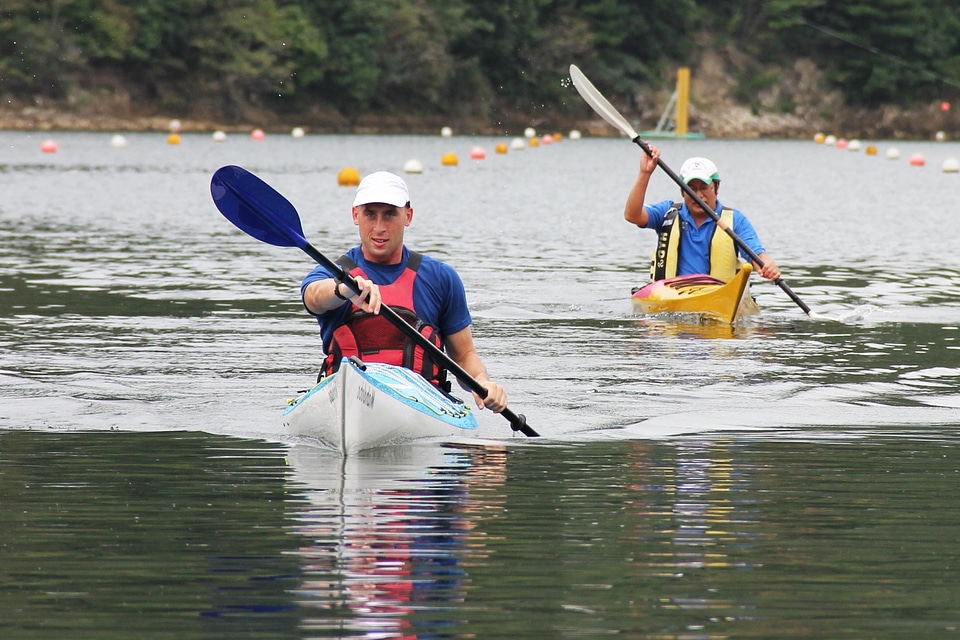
{"type": "Point", "coordinates": [383, 539]}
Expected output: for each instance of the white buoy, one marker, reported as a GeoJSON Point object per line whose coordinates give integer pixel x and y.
{"type": "Point", "coordinates": [951, 165]}
{"type": "Point", "coordinates": [940, 136]}
{"type": "Point", "coordinates": [118, 141]}
{"type": "Point", "coordinates": [574, 134]}
{"type": "Point", "coordinates": [175, 126]}
{"type": "Point", "coordinates": [853, 145]}
{"type": "Point", "coordinates": [893, 153]}
{"type": "Point", "coordinates": [517, 144]}
{"type": "Point", "coordinates": [529, 132]}
{"type": "Point", "coordinates": [297, 132]}
{"type": "Point", "coordinates": [413, 166]}
{"type": "Point", "coordinates": [446, 132]}
{"type": "Point", "coordinates": [830, 140]}
{"type": "Point", "coordinates": [219, 136]}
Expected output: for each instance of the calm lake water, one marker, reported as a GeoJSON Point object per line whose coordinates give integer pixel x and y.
{"type": "Point", "coordinates": [788, 477]}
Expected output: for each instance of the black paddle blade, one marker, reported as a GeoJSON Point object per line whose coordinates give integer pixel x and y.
{"type": "Point", "coordinates": [256, 208]}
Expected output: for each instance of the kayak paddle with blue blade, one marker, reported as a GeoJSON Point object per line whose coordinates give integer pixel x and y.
{"type": "Point", "coordinates": [260, 211]}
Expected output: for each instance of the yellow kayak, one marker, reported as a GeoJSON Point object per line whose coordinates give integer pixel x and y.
{"type": "Point", "coordinates": [701, 294]}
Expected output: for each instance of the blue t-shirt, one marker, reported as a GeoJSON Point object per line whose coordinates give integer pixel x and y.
{"type": "Point", "coordinates": [439, 298]}
{"type": "Point", "coordinates": [695, 241]}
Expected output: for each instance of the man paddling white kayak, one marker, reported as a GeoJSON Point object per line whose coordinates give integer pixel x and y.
{"type": "Point", "coordinates": [429, 291]}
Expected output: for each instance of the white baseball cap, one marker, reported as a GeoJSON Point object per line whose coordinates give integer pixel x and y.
{"type": "Point", "coordinates": [383, 187]}
{"type": "Point", "coordinates": [699, 169]}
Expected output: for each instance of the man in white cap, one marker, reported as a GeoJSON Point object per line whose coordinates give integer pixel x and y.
{"type": "Point", "coordinates": [426, 292]}
{"type": "Point", "coordinates": [690, 240]}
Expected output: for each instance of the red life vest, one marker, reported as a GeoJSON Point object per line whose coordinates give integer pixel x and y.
{"type": "Point", "coordinates": [373, 338]}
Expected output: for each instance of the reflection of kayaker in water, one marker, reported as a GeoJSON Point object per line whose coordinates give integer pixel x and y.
{"type": "Point", "coordinates": [690, 242]}
{"type": "Point", "coordinates": [425, 290]}
{"type": "Point", "coordinates": [384, 538]}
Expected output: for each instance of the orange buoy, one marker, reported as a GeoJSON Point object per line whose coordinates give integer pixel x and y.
{"type": "Point", "coordinates": [348, 177]}
{"type": "Point", "coordinates": [173, 138]}
{"type": "Point", "coordinates": [871, 150]}
{"type": "Point", "coordinates": [500, 148]}
{"type": "Point", "coordinates": [819, 138]}
{"type": "Point", "coordinates": [48, 146]}
{"type": "Point", "coordinates": [534, 142]}
{"type": "Point", "coordinates": [449, 160]}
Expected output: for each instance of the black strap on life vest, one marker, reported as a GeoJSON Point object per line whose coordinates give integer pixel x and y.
{"type": "Point", "coordinates": [663, 242]}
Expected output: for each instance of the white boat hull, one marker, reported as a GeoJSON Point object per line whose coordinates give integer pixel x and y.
{"type": "Point", "coordinates": [374, 405]}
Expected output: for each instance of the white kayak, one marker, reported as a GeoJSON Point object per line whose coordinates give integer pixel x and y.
{"type": "Point", "coordinates": [368, 405]}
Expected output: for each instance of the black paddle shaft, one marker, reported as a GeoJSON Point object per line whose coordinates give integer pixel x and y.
{"type": "Point", "coordinates": [518, 422]}
{"type": "Point", "coordinates": [713, 214]}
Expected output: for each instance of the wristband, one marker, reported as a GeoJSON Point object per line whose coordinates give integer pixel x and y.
{"type": "Point", "coordinates": [336, 291]}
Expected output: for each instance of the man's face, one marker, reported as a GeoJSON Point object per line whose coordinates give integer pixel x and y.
{"type": "Point", "coordinates": [706, 191]}
{"type": "Point", "coordinates": [381, 230]}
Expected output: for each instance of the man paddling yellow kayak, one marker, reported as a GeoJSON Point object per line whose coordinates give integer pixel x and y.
{"type": "Point", "coordinates": [692, 241]}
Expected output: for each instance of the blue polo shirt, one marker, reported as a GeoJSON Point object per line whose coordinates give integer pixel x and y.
{"type": "Point", "coordinates": [695, 241]}
{"type": "Point", "coordinates": [439, 298]}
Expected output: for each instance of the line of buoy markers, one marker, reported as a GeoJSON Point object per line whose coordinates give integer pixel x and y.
{"type": "Point", "coordinates": [949, 165]}
{"type": "Point", "coordinates": [349, 176]}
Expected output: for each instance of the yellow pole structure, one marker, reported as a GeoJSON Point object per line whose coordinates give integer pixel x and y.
{"type": "Point", "coordinates": [683, 98]}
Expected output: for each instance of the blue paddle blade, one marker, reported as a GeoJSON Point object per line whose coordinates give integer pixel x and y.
{"type": "Point", "coordinates": [256, 208]}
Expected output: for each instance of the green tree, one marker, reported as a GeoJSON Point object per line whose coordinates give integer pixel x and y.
{"type": "Point", "coordinates": [104, 28]}
{"type": "Point", "coordinates": [355, 31]}
{"type": "Point", "coordinates": [877, 52]}
{"type": "Point", "coordinates": [418, 72]}
{"type": "Point", "coordinates": [38, 56]}
{"type": "Point", "coordinates": [246, 52]}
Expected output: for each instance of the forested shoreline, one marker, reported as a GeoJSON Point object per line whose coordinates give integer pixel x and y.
{"type": "Point", "coordinates": [776, 67]}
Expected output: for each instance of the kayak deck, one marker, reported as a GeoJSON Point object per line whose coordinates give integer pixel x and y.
{"type": "Point", "coordinates": [367, 405]}
{"type": "Point", "coordinates": [700, 294]}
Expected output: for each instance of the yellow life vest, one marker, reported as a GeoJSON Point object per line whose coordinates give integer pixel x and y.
{"type": "Point", "coordinates": [723, 251]}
